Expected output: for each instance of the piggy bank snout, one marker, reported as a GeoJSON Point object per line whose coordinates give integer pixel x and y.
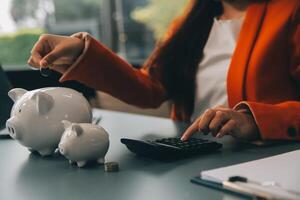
{"type": "Point", "coordinates": [13, 128]}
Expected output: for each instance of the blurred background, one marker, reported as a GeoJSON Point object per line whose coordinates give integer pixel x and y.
{"type": "Point", "coordinates": [129, 27]}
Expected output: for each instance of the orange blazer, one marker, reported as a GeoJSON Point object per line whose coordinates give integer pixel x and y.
{"type": "Point", "coordinates": [264, 73]}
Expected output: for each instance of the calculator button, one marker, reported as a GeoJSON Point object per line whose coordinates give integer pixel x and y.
{"type": "Point", "coordinates": [170, 148]}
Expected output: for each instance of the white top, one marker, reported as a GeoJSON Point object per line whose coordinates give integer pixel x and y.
{"type": "Point", "coordinates": [211, 76]}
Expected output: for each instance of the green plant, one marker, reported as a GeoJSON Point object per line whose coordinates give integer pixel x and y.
{"type": "Point", "coordinates": [16, 47]}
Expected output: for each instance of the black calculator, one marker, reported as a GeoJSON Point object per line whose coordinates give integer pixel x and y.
{"type": "Point", "coordinates": [170, 148]}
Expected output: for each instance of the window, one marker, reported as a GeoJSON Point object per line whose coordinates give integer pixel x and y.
{"type": "Point", "coordinates": [129, 27]}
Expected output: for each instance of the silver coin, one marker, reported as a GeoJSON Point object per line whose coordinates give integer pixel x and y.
{"type": "Point", "coordinates": [45, 71]}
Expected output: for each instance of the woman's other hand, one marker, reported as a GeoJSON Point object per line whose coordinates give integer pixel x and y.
{"type": "Point", "coordinates": [56, 52]}
{"type": "Point", "coordinates": [222, 121]}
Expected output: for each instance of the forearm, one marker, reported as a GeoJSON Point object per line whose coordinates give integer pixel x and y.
{"type": "Point", "coordinates": [100, 68]}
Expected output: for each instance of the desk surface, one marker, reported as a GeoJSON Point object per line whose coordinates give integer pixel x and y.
{"type": "Point", "coordinates": [30, 177]}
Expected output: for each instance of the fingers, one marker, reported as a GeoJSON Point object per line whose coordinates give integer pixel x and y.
{"type": "Point", "coordinates": [37, 61]}
{"type": "Point", "coordinates": [50, 58]}
{"type": "Point", "coordinates": [205, 120]}
{"type": "Point", "coordinates": [39, 49]}
{"type": "Point", "coordinates": [227, 128]}
{"type": "Point", "coordinates": [201, 124]}
{"type": "Point", "coordinates": [191, 129]}
{"type": "Point", "coordinates": [223, 121]}
{"type": "Point", "coordinates": [55, 52]}
{"type": "Point", "coordinates": [32, 63]}
{"type": "Point", "coordinates": [34, 60]}
{"type": "Point", "coordinates": [45, 52]}
{"type": "Point", "coordinates": [217, 122]}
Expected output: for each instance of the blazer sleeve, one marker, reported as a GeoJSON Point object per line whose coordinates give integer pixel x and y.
{"type": "Point", "coordinates": [282, 120]}
{"type": "Point", "coordinates": [100, 68]}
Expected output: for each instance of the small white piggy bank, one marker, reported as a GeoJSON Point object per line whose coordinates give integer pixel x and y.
{"type": "Point", "coordinates": [82, 142]}
{"type": "Point", "coordinates": [36, 116]}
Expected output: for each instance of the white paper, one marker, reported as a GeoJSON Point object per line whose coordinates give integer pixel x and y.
{"type": "Point", "coordinates": [283, 169]}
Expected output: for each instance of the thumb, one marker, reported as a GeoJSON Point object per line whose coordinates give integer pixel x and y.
{"type": "Point", "coordinates": [50, 58]}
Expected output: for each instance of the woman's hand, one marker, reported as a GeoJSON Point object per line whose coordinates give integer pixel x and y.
{"type": "Point", "coordinates": [222, 121]}
{"type": "Point", "coordinates": [56, 52]}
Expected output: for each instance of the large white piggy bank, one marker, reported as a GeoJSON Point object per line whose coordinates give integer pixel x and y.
{"type": "Point", "coordinates": [82, 142]}
{"type": "Point", "coordinates": [36, 116]}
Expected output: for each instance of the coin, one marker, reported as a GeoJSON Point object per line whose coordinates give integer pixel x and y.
{"type": "Point", "coordinates": [111, 167]}
{"type": "Point", "coordinates": [45, 71]}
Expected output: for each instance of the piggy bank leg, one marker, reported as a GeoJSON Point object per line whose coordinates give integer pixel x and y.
{"type": "Point", "coordinates": [81, 163]}
{"type": "Point", "coordinates": [32, 150]}
{"type": "Point", "coordinates": [46, 152]}
{"type": "Point", "coordinates": [100, 161]}
{"type": "Point", "coordinates": [71, 162]}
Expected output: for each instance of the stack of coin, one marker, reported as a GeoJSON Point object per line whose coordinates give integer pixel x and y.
{"type": "Point", "coordinates": [111, 167]}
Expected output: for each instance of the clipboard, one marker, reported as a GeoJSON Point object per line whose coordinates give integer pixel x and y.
{"type": "Point", "coordinates": [217, 186]}
{"type": "Point", "coordinates": [275, 177]}
{"type": "Point", "coordinates": [238, 190]}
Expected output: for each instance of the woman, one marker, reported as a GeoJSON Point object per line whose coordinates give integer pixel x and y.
{"type": "Point", "coordinates": [249, 48]}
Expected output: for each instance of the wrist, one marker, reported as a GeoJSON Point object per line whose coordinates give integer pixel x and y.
{"type": "Point", "coordinates": [253, 130]}
{"type": "Point", "coordinates": [80, 47]}
{"type": "Point", "coordinates": [85, 39]}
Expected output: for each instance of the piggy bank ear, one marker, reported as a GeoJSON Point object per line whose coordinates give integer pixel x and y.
{"type": "Point", "coordinates": [66, 123]}
{"type": "Point", "coordinates": [44, 102]}
{"type": "Point", "coordinates": [77, 129]}
{"type": "Point", "coordinates": [16, 93]}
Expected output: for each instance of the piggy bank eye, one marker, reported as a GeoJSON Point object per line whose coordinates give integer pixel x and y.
{"type": "Point", "coordinates": [20, 110]}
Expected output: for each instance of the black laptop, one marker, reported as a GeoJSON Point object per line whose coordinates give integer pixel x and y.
{"type": "Point", "coordinates": [5, 102]}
